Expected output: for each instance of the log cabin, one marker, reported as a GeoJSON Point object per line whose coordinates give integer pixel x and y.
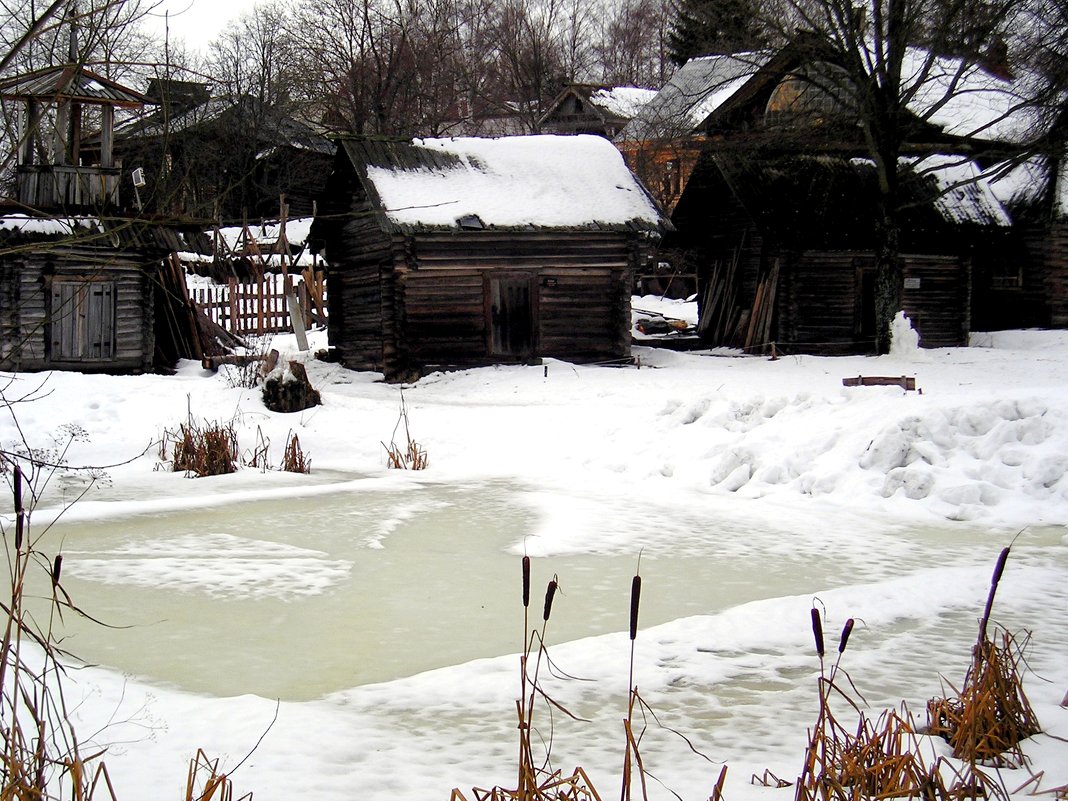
{"type": "Point", "coordinates": [464, 252]}
{"type": "Point", "coordinates": [780, 209]}
{"type": "Point", "coordinates": [791, 258]}
{"type": "Point", "coordinates": [83, 284]}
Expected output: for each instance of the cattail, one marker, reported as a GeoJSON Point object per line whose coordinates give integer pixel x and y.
{"type": "Point", "coordinates": [999, 568]}
{"type": "Point", "coordinates": [550, 591]}
{"type": "Point", "coordinates": [846, 631]}
{"type": "Point", "coordinates": [18, 489]}
{"type": "Point", "coordinates": [526, 582]}
{"type": "Point", "coordinates": [635, 596]}
{"type": "Point", "coordinates": [20, 513]}
{"type": "Point", "coordinates": [57, 567]}
{"type": "Point", "coordinates": [817, 631]}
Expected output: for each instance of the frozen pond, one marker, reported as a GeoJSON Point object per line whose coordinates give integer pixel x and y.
{"type": "Point", "coordinates": [300, 597]}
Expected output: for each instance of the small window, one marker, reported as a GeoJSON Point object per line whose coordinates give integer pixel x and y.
{"type": "Point", "coordinates": [82, 319]}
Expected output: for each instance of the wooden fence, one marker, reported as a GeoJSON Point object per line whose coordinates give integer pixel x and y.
{"type": "Point", "coordinates": [260, 307]}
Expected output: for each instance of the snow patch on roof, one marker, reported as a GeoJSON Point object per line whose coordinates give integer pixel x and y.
{"type": "Point", "coordinates": [966, 100]}
{"type": "Point", "coordinates": [46, 226]}
{"type": "Point", "coordinates": [622, 101]}
{"type": "Point", "coordinates": [697, 89]}
{"type": "Point", "coordinates": [965, 195]}
{"type": "Point", "coordinates": [537, 181]}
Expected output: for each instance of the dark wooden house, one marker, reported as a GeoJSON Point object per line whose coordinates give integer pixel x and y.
{"type": "Point", "coordinates": [221, 157]}
{"type": "Point", "coordinates": [584, 108]}
{"type": "Point", "coordinates": [83, 281]}
{"type": "Point", "coordinates": [790, 258]}
{"type": "Point", "coordinates": [463, 252]}
{"type": "Point", "coordinates": [780, 211]}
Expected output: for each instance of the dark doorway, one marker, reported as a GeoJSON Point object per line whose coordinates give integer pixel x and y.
{"type": "Point", "coordinates": [511, 313]}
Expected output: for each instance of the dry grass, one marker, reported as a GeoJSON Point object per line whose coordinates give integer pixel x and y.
{"type": "Point", "coordinates": [878, 759]}
{"type": "Point", "coordinates": [294, 460]}
{"type": "Point", "coordinates": [205, 783]}
{"type": "Point", "coordinates": [412, 456]}
{"type": "Point", "coordinates": [208, 449]}
{"type": "Point", "coordinates": [986, 720]}
{"type": "Point", "coordinates": [211, 449]}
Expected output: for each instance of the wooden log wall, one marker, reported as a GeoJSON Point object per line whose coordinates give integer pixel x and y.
{"type": "Point", "coordinates": [10, 332]}
{"type": "Point", "coordinates": [821, 301]}
{"type": "Point", "coordinates": [580, 283]}
{"type": "Point", "coordinates": [940, 306]}
{"type": "Point", "coordinates": [132, 303]}
{"type": "Point", "coordinates": [358, 253]}
{"type": "Point", "coordinates": [818, 298]}
{"type": "Point", "coordinates": [1048, 248]}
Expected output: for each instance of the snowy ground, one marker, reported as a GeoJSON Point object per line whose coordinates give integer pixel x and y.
{"type": "Point", "coordinates": [889, 506]}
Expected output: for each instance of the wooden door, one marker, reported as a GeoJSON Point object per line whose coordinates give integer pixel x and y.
{"type": "Point", "coordinates": [511, 302]}
{"type": "Point", "coordinates": [82, 319]}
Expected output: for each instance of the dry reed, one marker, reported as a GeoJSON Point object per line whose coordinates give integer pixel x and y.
{"type": "Point", "coordinates": [536, 779]}
{"type": "Point", "coordinates": [205, 783]}
{"type": "Point", "coordinates": [202, 450]}
{"type": "Point", "coordinates": [294, 460]}
{"type": "Point", "coordinates": [987, 719]}
{"type": "Point", "coordinates": [412, 456]}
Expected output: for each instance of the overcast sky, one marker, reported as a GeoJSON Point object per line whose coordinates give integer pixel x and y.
{"type": "Point", "coordinates": [196, 22]}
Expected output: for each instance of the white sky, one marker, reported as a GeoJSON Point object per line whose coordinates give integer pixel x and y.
{"type": "Point", "coordinates": [196, 22]}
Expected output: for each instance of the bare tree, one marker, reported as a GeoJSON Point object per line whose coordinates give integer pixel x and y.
{"type": "Point", "coordinates": [632, 46]}
{"type": "Point", "coordinates": [896, 71]}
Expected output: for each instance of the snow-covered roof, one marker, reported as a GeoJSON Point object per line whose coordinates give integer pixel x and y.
{"type": "Point", "coordinates": [964, 192]}
{"type": "Point", "coordinates": [624, 102]}
{"type": "Point", "coordinates": [697, 89]}
{"type": "Point", "coordinates": [963, 99]}
{"type": "Point", "coordinates": [46, 226]}
{"type": "Point", "coordinates": [513, 182]}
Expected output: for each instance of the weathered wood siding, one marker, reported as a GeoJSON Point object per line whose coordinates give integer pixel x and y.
{"type": "Point", "coordinates": [360, 256]}
{"type": "Point", "coordinates": [403, 303]}
{"type": "Point", "coordinates": [817, 303]}
{"type": "Point", "coordinates": [824, 298]}
{"type": "Point", "coordinates": [44, 330]}
{"type": "Point", "coordinates": [940, 306]}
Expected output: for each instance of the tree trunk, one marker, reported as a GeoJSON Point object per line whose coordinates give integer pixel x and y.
{"type": "Point", "coordinates": [889, 279]}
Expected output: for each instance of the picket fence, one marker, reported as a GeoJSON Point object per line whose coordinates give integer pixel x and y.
{"type": "Point", "coordinates": [260, 307]}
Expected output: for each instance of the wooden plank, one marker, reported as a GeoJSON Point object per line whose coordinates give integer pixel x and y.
{"type": "Point", "coordinates": [907, 383]}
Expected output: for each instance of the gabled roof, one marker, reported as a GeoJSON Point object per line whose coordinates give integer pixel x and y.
{"type": "Point", "coordinates": [697, 89]}
{"type": "Point", "coordinates": [274, 128]}
{"type": "Point", "coordinates": [509, 183]}
{"type": "Point", "coordinates": [806, 198]}
{"type": "Point", "coordinates": [70, 82]}
{"type": "Point", "coordinates": [613, 106]}
{"type": "Point", "coordinates": [958, 97]}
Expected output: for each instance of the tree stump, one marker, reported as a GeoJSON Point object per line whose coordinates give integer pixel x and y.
{"type": "Point", "coordinates": [289, 390]}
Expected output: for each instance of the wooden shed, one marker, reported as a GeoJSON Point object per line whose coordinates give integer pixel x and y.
{"type": "Point", "coordinates": [82, 294]}
{"type": "Point", "coordinates": [791, 258]}
{"type": "Point", "coordinates": [85, 283]}
{"type": "Point", "coordinates": [463, 252]}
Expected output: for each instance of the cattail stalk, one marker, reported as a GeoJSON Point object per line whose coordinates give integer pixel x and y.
{"type": "Point", "coordinates": [999, 568]}
{"type": "Point", "coordinates": [635, 598]}
{"type": "Point", "coordinates": [817, 631]}
{"type": "Point", "coordinates": [846, 631]}
{"type": "Point", "coordinates": [550, 593]}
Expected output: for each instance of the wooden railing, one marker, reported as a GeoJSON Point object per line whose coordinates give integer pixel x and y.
{"type": "Point", "coordinates": [51, 186]}
{"type": "Point", "coordinates": [260, 307]}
